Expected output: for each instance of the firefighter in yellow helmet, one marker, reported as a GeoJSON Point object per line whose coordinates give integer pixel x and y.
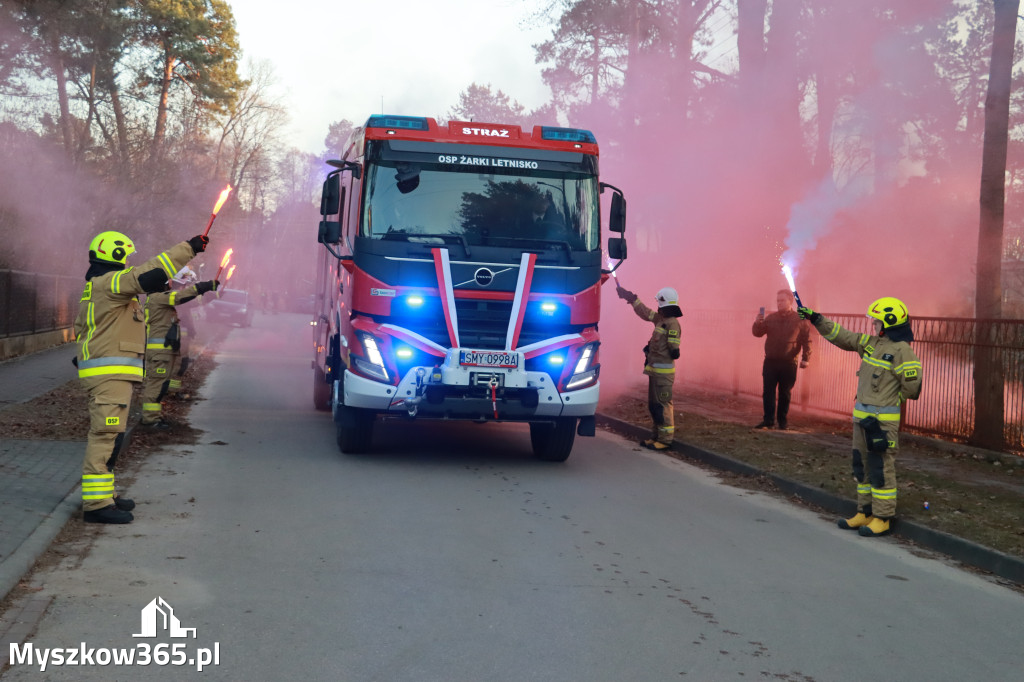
{"type": "Point", "coordinates": [111, 334]}
{"type": "Point", "coordinates": [889, 374]}
{"type": "Point", "coordinates": [660, 355]}
{"type": "Point", "coordinates": [163, 340]}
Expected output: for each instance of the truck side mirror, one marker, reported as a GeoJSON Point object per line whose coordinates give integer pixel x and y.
{"type": "Point", "coordinates": [330, 196]}
{"type": "Point", "coordinates": [617, 217]}
{"type": "Point", "coordinates": [617, 248]}
{"type": "Point", "coordinates": [330, 232]}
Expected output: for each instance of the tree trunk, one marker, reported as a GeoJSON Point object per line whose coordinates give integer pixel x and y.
{"type": "Point", "coordinates": [161, 110]}
{"type": "Point", "coordinates": [125, 163]}
{"type": "Point", "coordinates": [65, 109]}
{"type": "Point", "coordinates": [750, 15]}
{"type": "Point", "coordinates": [988, 375]}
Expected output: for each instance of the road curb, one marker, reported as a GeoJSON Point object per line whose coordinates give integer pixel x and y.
{"type": "Point", "coordinates": [985, 558]}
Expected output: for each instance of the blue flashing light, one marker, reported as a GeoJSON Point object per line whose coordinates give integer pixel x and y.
{"type": "Point", "coordinates": [556, 359]}
{"type": "Point", "coordinates": [406, 122]}
{"type": "Point", "coordinates": [548, 307]}
{"type": "Point", "coordinates": [414, 301]}
{"type": "Point", "coordinates": [403, 352]}
{"type": "Point", "coordinates": [567, 134]}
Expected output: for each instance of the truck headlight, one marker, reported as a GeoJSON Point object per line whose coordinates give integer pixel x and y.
{"type": "Point", "coordinates": [373, 364]}
{"type": "Point", "coordinates": [586, 370]}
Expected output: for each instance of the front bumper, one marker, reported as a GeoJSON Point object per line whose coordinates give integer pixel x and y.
{"type": "Point", "coordinates": [466, 393]}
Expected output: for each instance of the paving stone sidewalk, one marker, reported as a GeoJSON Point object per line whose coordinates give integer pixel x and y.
{"type": "Point", "coordinates": [37, 477]}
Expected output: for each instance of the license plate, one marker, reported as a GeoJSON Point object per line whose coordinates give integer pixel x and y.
{"type": "Point", "coordinates": [488, 358]}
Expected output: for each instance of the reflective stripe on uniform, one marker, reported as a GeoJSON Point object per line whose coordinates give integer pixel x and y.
{"type": "Point", "coordinates": [883, 493]}
{"type": "Point", "coordinates": [174, 383]}
{"type": "Point", "coordinates": [151, 407]}
{"type": "Point", "coordinates": [875, 362]}
{"type": "Point", "coordinates": [115, 281]}
{"type": "Point", "coordinates": [90, 329]}
{"type": "Point", "coordinates": [888, 413]}
{"type": "Point", "coordinates": [156, 343]}
{"type": "Point", "coordinates": [168, 266]}
{"type": "Point", "coordinates": [661, 368]}
{"type": "Point", "coordinates": [97, 486]}
{"type": "Point", "coordinates": [863, 488]}
{"type": "Point", "coordinates": [909, 364]}
{"type": "Point", "coordinates": [101, 366]}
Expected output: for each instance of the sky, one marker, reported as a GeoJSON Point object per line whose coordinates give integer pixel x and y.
{"type": "Point", "coordinates": [341, 59]}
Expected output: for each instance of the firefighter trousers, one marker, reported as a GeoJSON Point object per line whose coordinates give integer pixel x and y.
{"type": "Point", "coordinates": [875, 472]}
{"type": "Point", "coordinates": [109, 401]}
{"type": "Point", "coordinates": [659, 403]}
{"type": "Point", "coordinates": [159, 365]}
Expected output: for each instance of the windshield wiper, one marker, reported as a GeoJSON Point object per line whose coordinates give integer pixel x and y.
{"type": "Point", "coordinates": [535, 240]}
{"type": "Point", "coordinates": [401, 235]}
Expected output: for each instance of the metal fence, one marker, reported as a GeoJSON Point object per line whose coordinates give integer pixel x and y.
{"type": "Point", "coordinates": [729, 357]}
{"type": "Point", "coordinates": [33, 303]}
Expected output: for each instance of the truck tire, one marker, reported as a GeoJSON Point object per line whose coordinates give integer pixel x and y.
{"type": "Point", "coordinates": [321, 390]}
{"type": "Point", "coordinates": [354, 430]}
{"type": "Point", "coordinates": [553, 442]}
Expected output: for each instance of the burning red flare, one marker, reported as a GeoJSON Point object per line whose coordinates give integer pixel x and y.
{"type": "Point", "coordinates": [231, 271]}
{"type": "Point", "coordinates": [220, 202]}
{"type": "Point", "coordinates": [224, 262]}
{"type": "Point", "coordinates": [222, 199]}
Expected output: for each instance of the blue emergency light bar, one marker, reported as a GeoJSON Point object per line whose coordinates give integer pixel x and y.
{"type": "Point", "coordinates": [407, 122]}
{"type": "Point", "coordinates": [567, 134]}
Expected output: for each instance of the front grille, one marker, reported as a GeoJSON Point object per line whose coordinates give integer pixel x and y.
{"type": "Point", "coordinates": [482, 324]}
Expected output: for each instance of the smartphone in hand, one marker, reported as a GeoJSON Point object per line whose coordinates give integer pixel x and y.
{"type": "Point", "coordinates": [761, 313]}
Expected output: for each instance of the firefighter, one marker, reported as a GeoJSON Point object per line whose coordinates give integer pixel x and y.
{"type": "Point", "coordinates": [163, 343]}
{"type": "Point", "coordinates": [111, 334]}
{"type": "Point", "coordinates": [889, 374]}
{"type": "Point", "coordinates": [182, 358]}
{"type": "Point", "coordinates": [660, 355]}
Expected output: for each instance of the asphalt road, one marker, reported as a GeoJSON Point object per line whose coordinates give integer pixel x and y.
{"type": "Point", "coordinates": [451, 554]}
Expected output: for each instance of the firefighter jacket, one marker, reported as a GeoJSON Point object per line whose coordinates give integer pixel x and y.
{"type": "Point", "coordinates": [110, 327]}
{"type": "Point", "coordinates": [889, 373]}
{"type": "Point", "coordinates": [786, 336]}
{"type": "Point", "coordinates": [663, 348]}
{"type": "Point", "coordinates": [162, 317]}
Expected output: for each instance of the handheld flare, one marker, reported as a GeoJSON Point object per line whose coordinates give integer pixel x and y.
{"type": "Point", "coordinates": [224, 263]}
{"type": "Point", "coordinates": [788, 272]}
{"type": "Point", "coordinates": [614, 274]}
{"type": "Point", "coordinates": [216, 208]}
{"type": "Point", "coordinates": [231, 271]}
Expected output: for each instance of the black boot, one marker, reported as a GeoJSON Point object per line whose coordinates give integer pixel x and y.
{"type": "Point", "coordinates": [109, 514]}
{"type": "Point", "coordinates": [124, 504]}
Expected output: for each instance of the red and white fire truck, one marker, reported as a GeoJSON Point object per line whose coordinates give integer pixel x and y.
{"type": "Point", "coordinates": [461, 279]}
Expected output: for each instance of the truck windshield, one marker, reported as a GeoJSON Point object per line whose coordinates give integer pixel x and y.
{"type": "Point", "coordinates": [493, 207]}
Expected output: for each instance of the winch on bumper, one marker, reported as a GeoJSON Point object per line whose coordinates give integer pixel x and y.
{"type": "Point", "coordinates": [454, 390]}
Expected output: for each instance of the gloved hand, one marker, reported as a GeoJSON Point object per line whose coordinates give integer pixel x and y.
{"type": "Point", "coordinates": [808, 314]}
{"type": "Point", "coordinates": [207, 286]}
{"type": "Point", "coordinates": [625, 294]}
{"type": "Point", "coordinates": [198, 243]}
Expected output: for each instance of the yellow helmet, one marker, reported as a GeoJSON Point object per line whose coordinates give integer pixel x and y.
{"type": "Point", "coordinates": [889, 311]}
{"type": "Point", "coordinates": [111, 247]}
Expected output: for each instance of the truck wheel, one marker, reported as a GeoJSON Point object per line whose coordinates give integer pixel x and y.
{"type": "Point", "coordinates": [321, 390]}
{"type": "Point", "coordinates": [354, 430]}
{"type": "Point", "coordinates": [553, 442]}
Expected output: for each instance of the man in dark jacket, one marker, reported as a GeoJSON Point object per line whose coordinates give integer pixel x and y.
{"type": "Point", "coordinates": [787, 342]}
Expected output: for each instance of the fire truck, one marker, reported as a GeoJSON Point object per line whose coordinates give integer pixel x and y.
{"type": "Point", "coordinates": [461, 278]}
